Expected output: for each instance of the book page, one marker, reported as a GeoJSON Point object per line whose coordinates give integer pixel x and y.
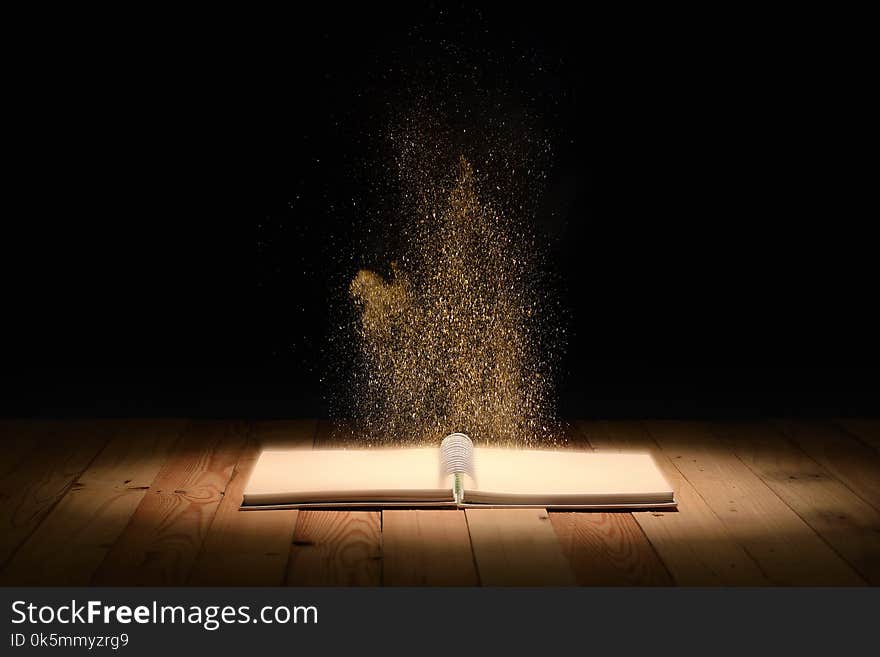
{"type": "Point", "coordinates": [545, 477]}
{"type": "Point", "coordinates": [306, 476]}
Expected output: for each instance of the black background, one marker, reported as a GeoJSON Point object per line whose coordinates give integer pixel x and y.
{"type": "Point", "coordinates": [182, 184]}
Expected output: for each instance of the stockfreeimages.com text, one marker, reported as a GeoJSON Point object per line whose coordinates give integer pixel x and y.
{"type": "Point", "coordinates": [210, 617]}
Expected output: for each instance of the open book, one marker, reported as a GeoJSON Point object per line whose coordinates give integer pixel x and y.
{"type": "Point", "coordinates": [457, 474]}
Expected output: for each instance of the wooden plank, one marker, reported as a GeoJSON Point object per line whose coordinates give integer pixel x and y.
{"type": "Point", "coordinates": [517, 547]}
{"type": "Point", "coordinates": [787, 550]}
{"type": "Point", "coordinates": [336, 548]}
{"type": "Point", "coordinates": [134, 454]}
{"type": "Point", "coordinates": [866, 430]}
{"type": "Point", "coordinates": [692, 542]}
{"type": "Point", "coordinates": [846, 522]}
{"type": "Point", "coordinates": [160, 543]}
{"type": "Point", "coordinates": [427, 548]}
{"type": "Point", "coordinates": [42, 476]}
{"type": "Point", "coordinates": [848, 459]}
{"type": "Point", "coordinates": [606, 549]}
{"type": "Point", "coordinates": [72, 541]}
{"type": "Point", "coordinates": [251, 548]}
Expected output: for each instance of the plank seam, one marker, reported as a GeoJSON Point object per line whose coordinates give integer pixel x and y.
{"type": "Point", "coordinates": [653, 548]}
{"type": "Point", "coordinates": [285, 581]}
{"type": "Point", "coordinates": [795, 511]}
{"type": "Point", "coordinates": [181, 435]}
{"type": "Point", "coordinates": [64, 494]}
{"type": "Point", "coordinates": [381, 547]}
{"type": "Point", "coordinates": [181, 432]}
{"type": "Point", "coordinates": [236, 427]}
{"type": "Point", "coordinates": [793, 440]}
{"type": "Point", "coordinates": [579, 428]}
{"type": "Point", "coordinates": [236, 472]}
{"type": "Point", "coordinates": [708, 506]}
{"type": "Point", "coordinates": [467, 523]}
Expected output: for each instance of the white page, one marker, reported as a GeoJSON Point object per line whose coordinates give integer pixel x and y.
{"type": "Point", "coordinates": [565, 477]}
{"type": "Point", "coordinates": [337, 476]}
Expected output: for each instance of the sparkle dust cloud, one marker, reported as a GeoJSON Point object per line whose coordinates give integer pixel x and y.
{"type": "Point", "coordinates": [460, 333]}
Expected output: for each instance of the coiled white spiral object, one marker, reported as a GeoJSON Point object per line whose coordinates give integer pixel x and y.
{"type": "Point", "coordinates": [457, 459]}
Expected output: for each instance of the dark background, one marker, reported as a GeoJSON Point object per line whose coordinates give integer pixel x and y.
{"type": "Point", "coordinates": [184, 192]}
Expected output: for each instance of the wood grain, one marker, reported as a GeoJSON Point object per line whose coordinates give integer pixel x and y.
{"type": "Point", "coordinates": [163, 538]}
{"type": "Point", "coordinates": [846, 522]}
{"type": "Point", "coordinates": [336, 548]}
{"type": "Point", "coordinates": [608, 549]}
{"type": "Point", "coordinates": [75, 537]}
{"type": "Point", "coordinates": [156, 502]}
{"type": "Point", "coordinates": [134, 455]}
{"type": "Point", "coordinates": [786, 549]}
{"type": "Point", "coordinates": [43, 475]}
{"type": "Point", "coordinates": [692, 542]}
{"type": "Point", "coordinates": [251, 548]}
{"type": "Point", "coordinates": [517, 547]}
{"type": "Point", "coordinates": [847, 458]}
{"type": "Point", "coordinates": [427, 548]}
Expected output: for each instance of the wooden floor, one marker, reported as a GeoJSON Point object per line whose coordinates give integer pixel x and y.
{"type": "Point", "coordinates": [155, 502]}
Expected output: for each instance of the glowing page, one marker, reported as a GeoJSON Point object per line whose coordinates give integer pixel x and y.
{"type": "Point", "coordinates": [338, 476]}
{"type": "Point", "coordinates": [412, 477]}
{"type": "Point", "coordinates": [566, 478]}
